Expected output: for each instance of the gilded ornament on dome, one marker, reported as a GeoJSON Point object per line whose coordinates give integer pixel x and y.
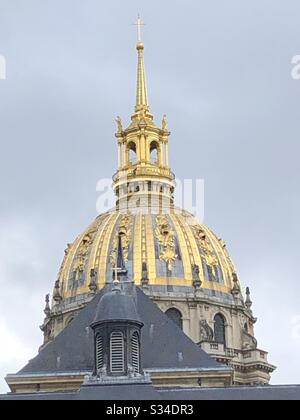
{"type": "Point", "coordinates": [83, 249]}
{"type": "Point", "coordinates": [222, 243]}
{"type": "Point", "coordinates": [166, 238]}
{"type": "Point", "coordinates": [206, 246]}
{"type": "Point", "coordinates": [125, 232]}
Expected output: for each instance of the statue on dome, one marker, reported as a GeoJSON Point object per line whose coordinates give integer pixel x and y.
{"type": "Point", "coordinates": [119, 124]}
{"type": "Point", "coordinates": [164, 123]}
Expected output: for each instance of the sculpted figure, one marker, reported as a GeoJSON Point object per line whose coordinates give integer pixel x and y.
{"type": "Point", "coordinates": [119, 124]}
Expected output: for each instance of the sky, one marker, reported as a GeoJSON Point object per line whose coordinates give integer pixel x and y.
{"type": "Point", "coordinates": [221, 71]}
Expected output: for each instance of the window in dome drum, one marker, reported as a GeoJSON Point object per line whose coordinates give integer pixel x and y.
{"type": "Point", "coordinates": [176, 316]}
{"type": "Point", "coordinates": [99, 352]}
{"type": "Point", "coordinates": [135, 352]}
{"type": "Point", "coordinates": [219, 329]}
{"type": "Point", "coordinates": [117, 352]}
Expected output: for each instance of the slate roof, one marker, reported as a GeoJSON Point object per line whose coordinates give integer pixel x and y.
{"type": "Point", "coordinates": [267, 392]}
{"type": "Point", "coordinates": [164, 345]}
{"type": "Point", "coordinates": [147, 392]}
{"type": "Point", "coordinates": [132, 392]}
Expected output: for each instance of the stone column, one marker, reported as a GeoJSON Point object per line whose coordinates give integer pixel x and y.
{"type": "Point", "coordinates": [167, 154]}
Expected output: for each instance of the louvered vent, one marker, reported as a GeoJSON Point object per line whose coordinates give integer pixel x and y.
{"type": "Point", "coordinates": [135, 352]}
{"type": "Point", "coordinates": [99, 352]}
{"type": "Point", "coordinates": [117, 352]}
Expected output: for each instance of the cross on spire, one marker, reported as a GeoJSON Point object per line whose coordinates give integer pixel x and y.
{"type": "Point", "coordinates": [139, 25]}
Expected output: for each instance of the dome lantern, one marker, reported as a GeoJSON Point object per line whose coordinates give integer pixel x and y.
{"type": "Point", "coordinates": [143, 173]}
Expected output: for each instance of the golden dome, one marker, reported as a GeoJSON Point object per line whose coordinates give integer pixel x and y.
{"type": "Point", "coordinates": [173, 248]}
{"type": "Point", "coordinates": [161, 248]}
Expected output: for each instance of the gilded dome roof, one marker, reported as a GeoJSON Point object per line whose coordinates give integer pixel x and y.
{"type": "Point", "coordinates": [160, 248]}
{"type": "Point", "coordinates": [170, 246]}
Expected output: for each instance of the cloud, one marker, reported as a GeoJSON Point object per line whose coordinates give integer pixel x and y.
{"type": "Point", "coordinates": [14, 353]}
{"type": "Point", "coordinates": [12, 349]}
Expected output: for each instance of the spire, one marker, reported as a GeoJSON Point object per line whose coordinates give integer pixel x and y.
{"type": "Point", "coordinates": [141, 90]}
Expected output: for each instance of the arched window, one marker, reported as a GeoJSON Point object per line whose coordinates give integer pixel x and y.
{"type": "Point", "coordinates": [246, 327]}
{"type": "Point", "coordinates": [99, 352]}
{"type": "Point", "coordinates": [219, 329]}
{"type": "Point", "coordinates": [117, 352]}
{"type": "Point", "coordinates": [135, 351]}
{"type": "Point", "coordinates": [132, 157]}
{"type": "Point", "coordinates": [175, 315]}
{"type": "Point", "coordinates": [154, 152]}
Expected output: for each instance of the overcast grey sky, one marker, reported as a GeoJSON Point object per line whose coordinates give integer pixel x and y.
{"type": "Point", "coordinates": [221, 70]}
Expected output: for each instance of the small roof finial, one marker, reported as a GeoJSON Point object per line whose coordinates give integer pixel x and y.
{"type": "Point", "coordinates": [47, 310]}
{"type": "Point", "coordinates": [248, 301]}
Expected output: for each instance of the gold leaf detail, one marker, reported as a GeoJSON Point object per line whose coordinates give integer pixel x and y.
{"type": "Point", "coordinates": [166, 239]}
